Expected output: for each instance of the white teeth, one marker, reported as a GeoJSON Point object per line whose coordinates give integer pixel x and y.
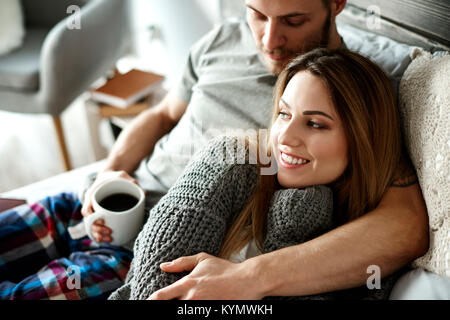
{"type": "Point", "coordinates": [292, 160]}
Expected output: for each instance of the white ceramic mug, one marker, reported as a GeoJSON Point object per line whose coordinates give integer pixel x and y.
{"type": "Point", "coordinates": [125, 225]}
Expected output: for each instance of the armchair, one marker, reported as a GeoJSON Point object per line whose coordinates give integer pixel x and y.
{"type": "Point", "coordinates": [56, 64]}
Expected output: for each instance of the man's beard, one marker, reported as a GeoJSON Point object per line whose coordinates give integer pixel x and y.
{"type": "Point", "coordinates": [308, 45]}
{"type": "Point", "coordinates": [321, 42]}
{"type": "Point", "coordinates": [325, 38]}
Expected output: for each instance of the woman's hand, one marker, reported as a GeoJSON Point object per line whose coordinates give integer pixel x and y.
{"type": "Point", "coordinates": [101, 232]}
{"type": "Point", "coordinates": [211, 278]}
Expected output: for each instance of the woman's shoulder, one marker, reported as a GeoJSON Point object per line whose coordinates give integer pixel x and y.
{"type": "Point", "coordinates": [229, 149]}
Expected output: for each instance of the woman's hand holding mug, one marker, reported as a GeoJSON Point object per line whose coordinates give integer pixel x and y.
{"type": "Point", "coordinates": [99, 231]}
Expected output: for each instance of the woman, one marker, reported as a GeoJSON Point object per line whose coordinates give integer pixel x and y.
{"type": "Point", "coordinates": [335, 135]}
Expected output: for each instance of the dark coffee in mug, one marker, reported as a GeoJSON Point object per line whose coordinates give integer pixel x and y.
{"type": "Point", "coordinates": [118, 202]}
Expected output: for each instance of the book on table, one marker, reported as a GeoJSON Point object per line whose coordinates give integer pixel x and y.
{"type": "Point", "coordinates": [125, 89]}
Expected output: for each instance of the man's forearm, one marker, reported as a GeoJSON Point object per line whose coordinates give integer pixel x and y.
{"type": "Point", "coordinates": [388, 237]}
{"type": "Point", "coordinates": [137, 140]}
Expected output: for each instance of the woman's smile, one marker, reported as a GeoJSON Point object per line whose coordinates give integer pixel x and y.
{"type": "Point", "coordinates": [290, 161]}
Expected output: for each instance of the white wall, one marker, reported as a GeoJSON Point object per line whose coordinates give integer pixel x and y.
{"type": "Point", "coordinates": [179, 24]}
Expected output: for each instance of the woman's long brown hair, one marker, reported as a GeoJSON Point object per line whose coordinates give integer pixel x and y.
{"type": "Point", "coordinates": [365, 103]}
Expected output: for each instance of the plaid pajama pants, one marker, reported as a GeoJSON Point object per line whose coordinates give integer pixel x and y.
{"type": "Point", "coordinates": [39, 259]}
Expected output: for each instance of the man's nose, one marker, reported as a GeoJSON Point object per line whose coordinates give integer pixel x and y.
{"type": "Point", "coordinates": [273, 37]}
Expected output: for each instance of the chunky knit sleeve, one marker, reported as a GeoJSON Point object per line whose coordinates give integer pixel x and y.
{"type": "Point", "coordinates": [192, 217]}
{"type": "Point", "coordinates": [298, 215]}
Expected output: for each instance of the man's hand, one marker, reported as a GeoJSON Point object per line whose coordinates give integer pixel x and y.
{"type": "Point", "coordinates": [211, 278]}
{"type": "Point", "coordinates": [101, 232]}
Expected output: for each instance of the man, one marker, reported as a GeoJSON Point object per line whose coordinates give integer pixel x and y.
{"type": "Point", "coordinates": [228, 83]}
{"type": "Point", "coordinates": [390, 236]}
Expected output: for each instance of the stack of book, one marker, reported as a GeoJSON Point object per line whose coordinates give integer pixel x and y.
{"type": "Point", "coordinates": [125, 90]}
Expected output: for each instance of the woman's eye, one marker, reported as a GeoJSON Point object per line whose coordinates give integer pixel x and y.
{"type": "Point", "coordinates": [283, 115]}
{"type": "Point", "coordinates": [315, 125]}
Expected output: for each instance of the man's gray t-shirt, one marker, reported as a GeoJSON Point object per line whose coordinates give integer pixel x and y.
{"type": "Point", "coordinates": [226, 86]}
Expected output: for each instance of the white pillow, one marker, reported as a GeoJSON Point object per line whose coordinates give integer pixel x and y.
{"type": "Point", "coordinates": [419, 284]}
{"type": "Point", "coordinates": [425, 110]}
{"type": "Point", "coordinates": [12, 28]}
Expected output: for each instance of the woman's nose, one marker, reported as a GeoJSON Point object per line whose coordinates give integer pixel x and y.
{"type": "Point", "coordinates": [273, 37]}
{"type": "Point", "coordinates": [290, 135]}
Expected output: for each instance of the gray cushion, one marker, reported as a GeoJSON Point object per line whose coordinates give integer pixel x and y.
{"type": "Point", "coordinates": [20, 68]}
{"type": "Point", "coordinates": [392, 56]}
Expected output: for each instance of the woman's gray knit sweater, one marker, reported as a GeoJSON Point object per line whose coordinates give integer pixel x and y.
{"type": "Point", "coordinates": [197, 211]}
